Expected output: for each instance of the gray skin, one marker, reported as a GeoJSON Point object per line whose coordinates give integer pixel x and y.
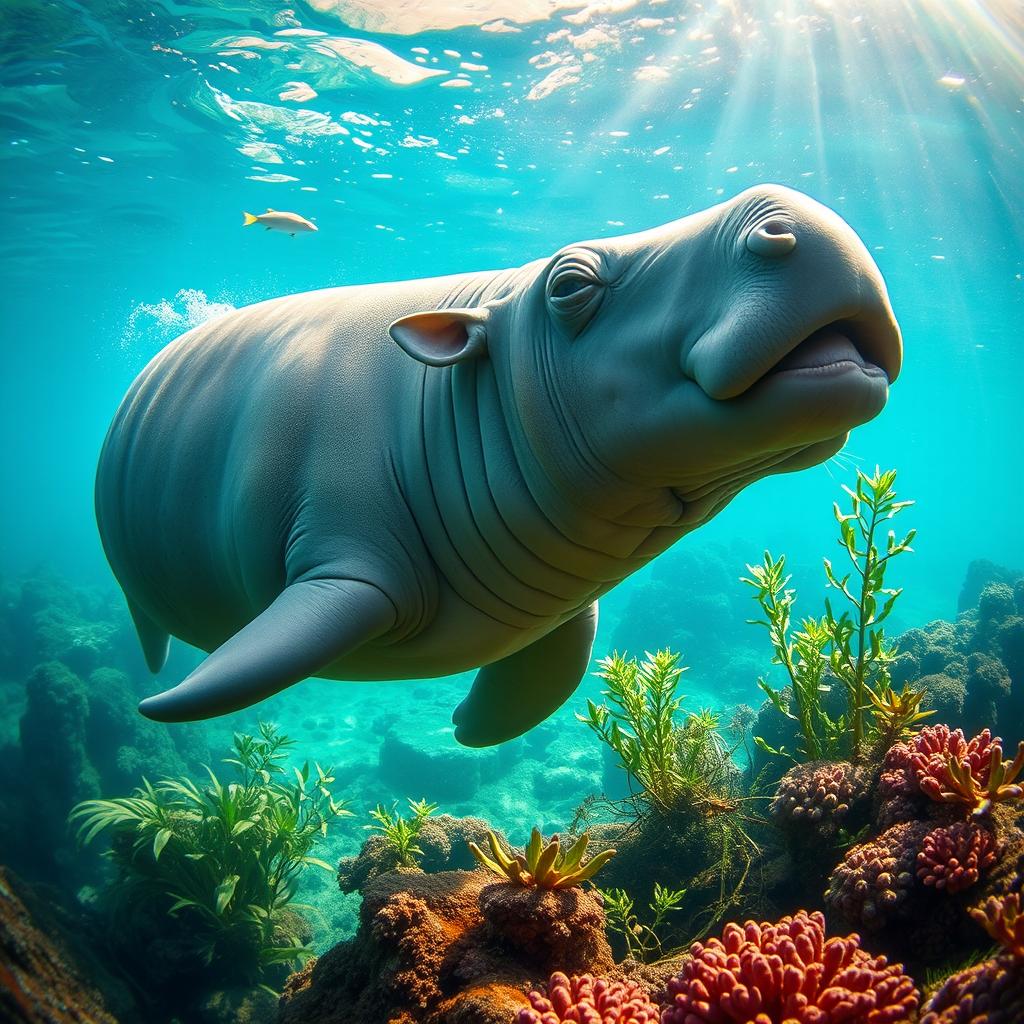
{"type": "Point", "coordinates": [413, 479]}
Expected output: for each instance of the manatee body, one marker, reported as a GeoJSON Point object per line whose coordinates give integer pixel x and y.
{"type": "Point", "coordinates": [413, 479]}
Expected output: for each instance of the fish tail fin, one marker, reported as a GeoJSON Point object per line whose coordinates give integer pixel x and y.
{"type": "Point", "coordinates": [249, 219]}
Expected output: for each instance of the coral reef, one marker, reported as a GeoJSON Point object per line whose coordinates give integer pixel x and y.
{"type": "Point", "coordinates": [991, 992]}
{"type": "Point", "coordinates": [818, 796]}
{"type": "Point", "coordinates": [444, 840]}
{"type": "Point", "coordinates": [954, 857]}
{"type": "Point", "coordinates": [1003, 918]}
{"type": "Point", "coordinates": [788, 973]}
{"type": "Point", "coordinates": [454, 947]}
{"type": "Point", "coordinates": [944, 766]}
{"type": "Point", "coordinates": [988, 993]}
{"type": "Point", "coordinates": [545, 927]}
{"type": "Point", "coordinates": [589, 1000]}
{"type": "Point", "coordinates": [871, 886]}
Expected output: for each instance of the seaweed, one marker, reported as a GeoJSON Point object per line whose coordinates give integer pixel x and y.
{"type": "Point", "coordinates": [222, 858]}
{"type": "Point", "coordinates": [643, 941]}
{"type": "Point", "coordinates": [401, 834]}
{"type": "Point", "coordinates": [849, 647]}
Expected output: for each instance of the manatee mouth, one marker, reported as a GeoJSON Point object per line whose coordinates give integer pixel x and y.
{"type": "Point", "coordinates": [833, 349]}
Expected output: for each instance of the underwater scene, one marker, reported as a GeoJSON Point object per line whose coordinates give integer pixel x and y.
{"type": "Point", "coordinates": [355, 351]}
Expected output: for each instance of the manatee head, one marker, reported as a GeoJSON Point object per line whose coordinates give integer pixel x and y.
{"type": "Point", "coordinates": [700, 355]}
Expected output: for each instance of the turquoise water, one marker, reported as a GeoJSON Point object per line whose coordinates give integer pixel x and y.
{"type": "Point", "coordinates": [433, 138]}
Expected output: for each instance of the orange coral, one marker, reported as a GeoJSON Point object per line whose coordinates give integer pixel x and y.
{"type": "Point", "coordinates": [1003, 918]}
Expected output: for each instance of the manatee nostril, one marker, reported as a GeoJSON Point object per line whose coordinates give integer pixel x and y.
{"type": "Point", "coordinates": [771, 239]}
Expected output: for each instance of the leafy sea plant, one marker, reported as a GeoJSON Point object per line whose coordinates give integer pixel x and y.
{"type": "Point", "coordinates": [402, 833]}
{"type": "Point", "coordinates": [681, 773]}
{"type": "Point", "coordinates": [643, 941]}
{"type": "Point", "coordinates": [849, 647]}
{"type": "Point", "coordinates": [224, 858]}
{"type": "Point", "coordinates": [544, 865]}
{"type": "Point", "coordinates": [674, 766]}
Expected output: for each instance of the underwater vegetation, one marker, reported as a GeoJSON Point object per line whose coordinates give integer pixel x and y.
{"type": "Point", "coordinates": [221, 858]}
{"type": "Point", "coordinates": [780, 863]}
{"type": "Point", "coordinates": [402, 834]}
{"type": "Point", "coordinates": [542, 864]}
{"type": "Point", "coordinates": [848, 649]}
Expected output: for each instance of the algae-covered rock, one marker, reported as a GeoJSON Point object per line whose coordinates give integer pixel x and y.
{"type": "Point", "coordinates": [54, 737]}
{"type": "Point", "coordinates": [449, 948]}
{"type": "Point", "coordinates": [48, 973]}
{"type": "Point", "coordinates": [444, 840]}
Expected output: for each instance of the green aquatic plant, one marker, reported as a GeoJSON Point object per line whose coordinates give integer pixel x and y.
{"type": "Point", "coordinates": [223, 858]}
{"type": "Point", "coordinates": [849, 647]}
{"type": "Point", "coordinates": [673, 765]}
{"type": "Point", "coordinates": [643, 941]}
{"type": "Point", "coordinates": [896, 714]}
{"type": "Point", "coordinates": [402, 833]}
{"type": "Point", "coordinates": [545, 865]}
{"type": "Point", "coordinates": [681, 773]}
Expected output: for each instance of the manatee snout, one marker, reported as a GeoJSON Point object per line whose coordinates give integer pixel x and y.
{"type": "Point", "coordinates": [808, 304]}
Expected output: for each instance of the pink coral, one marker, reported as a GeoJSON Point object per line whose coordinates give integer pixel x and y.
{"type": "Point", "coordinates": [788, 972]}
{"type": "Point", "coordinates": [953, 857]}
{"type": "Point", "coordinates": [873, 881]}
{"type": "Point", "coordinates": [589, 1000]}
{"type": "Point", "coordinates": [942, 764]}
{"type": "Point", "coordinates": [819, 792]}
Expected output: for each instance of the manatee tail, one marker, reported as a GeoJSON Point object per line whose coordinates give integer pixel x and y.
{"type": "Point", "coordinates": [155, 641]}
{"type": "Point", "coordinates": [249, 219]}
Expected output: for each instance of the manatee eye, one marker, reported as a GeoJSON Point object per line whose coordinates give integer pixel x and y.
{"type": "Point", "coordinates": [574, 289]}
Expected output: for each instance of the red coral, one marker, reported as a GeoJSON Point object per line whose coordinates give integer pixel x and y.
{"type": "Point", "coordinates": [953, 857]}
{"type": "Point", "coordinates": [819, 792]}
{"type": "Point", "coordinates": [947, 768]}
{"type": "Point", "coordinates": [989, 993]}
{"type": "Point", "coordinates": [934, 747]}
{"type": "Point", "coordinates": [589, 1000]}
{"type": "Point", "coordinates": [788, 972]}
{"type": "Point", "coordinates": [872, 882]}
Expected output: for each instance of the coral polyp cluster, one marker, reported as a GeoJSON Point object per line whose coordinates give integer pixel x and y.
{"type": "Point", "coordinates": [991, 992]}
{"type": "Point", "coordinates": [542, 864]}
{"type": "Point", "coordinates": [948, 768]}
{"type": "Point", "coordinates": [788, 972]}
{"type": "Point", "coordinates": [589, 1000]}
{"type": "Point", "coordinates": [954, 857]}
{"type": "Point", "coordinates": [819, 792]}
{"type": "Point", "coordinates": [1003, 918]}
{"type": "Point", "coordinates": [872, 883]}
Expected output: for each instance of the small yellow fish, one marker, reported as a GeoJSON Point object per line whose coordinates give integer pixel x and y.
{"type": "Point", "coordinates": [280, 220]}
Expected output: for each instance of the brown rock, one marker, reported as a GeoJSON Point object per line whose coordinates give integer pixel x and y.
{"type": "Point", "coordinates": [454, 947]}
{"type": "Point", "coordinates": [39, 982]}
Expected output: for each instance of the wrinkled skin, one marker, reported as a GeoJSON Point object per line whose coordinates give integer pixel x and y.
{"type": "Point", "coordinates": [413, 479]}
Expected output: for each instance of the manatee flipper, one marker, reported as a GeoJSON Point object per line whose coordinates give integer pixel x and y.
{"type": "Point", "coordinates": [154, 640]}
{"type": "Point", "coordinates": [308, 626]}
{"type": "Point", "coordinates": [510, 696]}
